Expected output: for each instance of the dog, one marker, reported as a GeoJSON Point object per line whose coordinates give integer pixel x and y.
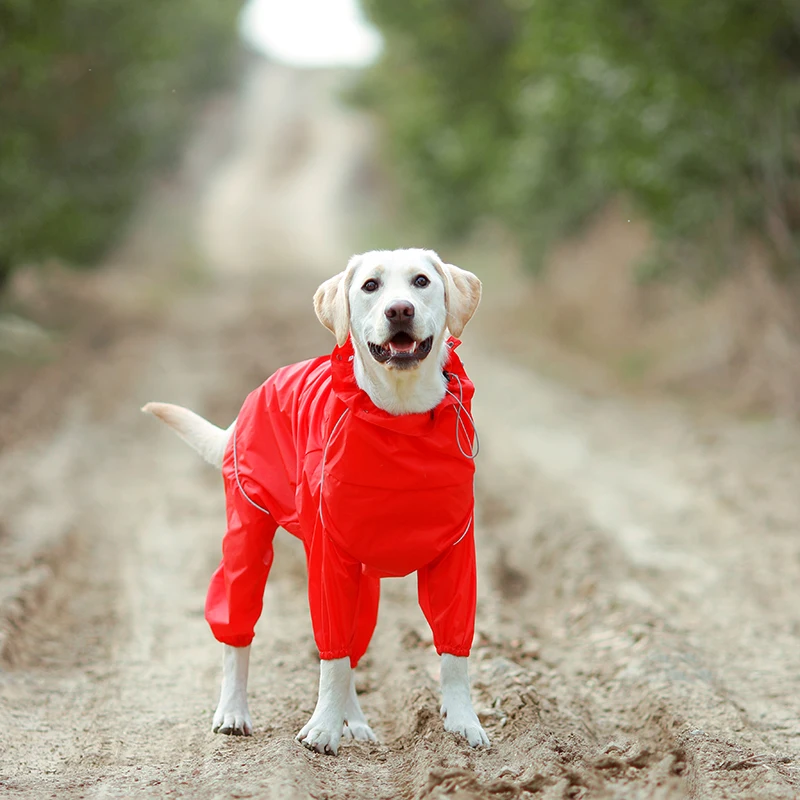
{"type": "Point", "coordinates": [367, 456]}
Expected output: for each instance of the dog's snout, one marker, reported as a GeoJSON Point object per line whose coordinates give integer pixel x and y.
{"type": "Point", "coordinates": [399, 311]}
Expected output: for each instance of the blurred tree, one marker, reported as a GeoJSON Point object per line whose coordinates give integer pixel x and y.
{"type": "Point", "coordinates": [537, 111]}
{"type": "Point", "coordinates": [93, 95]}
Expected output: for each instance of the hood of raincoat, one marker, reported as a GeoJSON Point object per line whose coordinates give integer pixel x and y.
{"type": "Point", "coordinates": [459, 389]}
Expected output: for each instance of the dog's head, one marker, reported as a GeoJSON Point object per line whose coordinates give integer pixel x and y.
{"type": "Point", "coordinates": [397, 304]}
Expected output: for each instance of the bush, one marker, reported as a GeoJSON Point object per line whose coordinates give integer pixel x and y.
{"type": "Point", "coordinates": [94, 94]}
{"type": "Point", "coordinates": [537, 111]}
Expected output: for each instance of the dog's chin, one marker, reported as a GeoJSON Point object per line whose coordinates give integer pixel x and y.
{"type": "Point", "coordinates": [402, 351]}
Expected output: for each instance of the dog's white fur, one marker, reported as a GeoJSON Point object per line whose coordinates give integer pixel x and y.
{"type": "Point", "coordinates": [443, 306]}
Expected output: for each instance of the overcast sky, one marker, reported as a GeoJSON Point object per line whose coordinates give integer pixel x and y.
{"type": "Point", "coordinates": [311, 33]}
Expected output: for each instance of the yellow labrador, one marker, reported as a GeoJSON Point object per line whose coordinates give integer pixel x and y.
{"type": "Point", "coordinates": [398, 307]}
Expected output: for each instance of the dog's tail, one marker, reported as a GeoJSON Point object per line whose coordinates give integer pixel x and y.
{"type": "Point", "coordinates": [205, 437]}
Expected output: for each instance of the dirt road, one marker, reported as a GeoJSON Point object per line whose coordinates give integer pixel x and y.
{"type": "Point", "coordinates": [639, 597]}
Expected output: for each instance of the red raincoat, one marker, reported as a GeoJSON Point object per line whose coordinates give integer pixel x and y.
{"type": "Point", "coordinates": [371, 495]}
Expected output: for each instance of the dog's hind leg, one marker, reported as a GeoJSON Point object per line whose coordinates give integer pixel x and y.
{"type": "Point", "coordinates": [234, 601]}
{"type": "Point", "coordinates": [233, 715]}
{"type": "Point", "coordinates": [356, 725]}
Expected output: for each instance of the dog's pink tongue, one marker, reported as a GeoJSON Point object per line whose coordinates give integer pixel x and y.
{"type": "Point", "coordinates": [402, 347]}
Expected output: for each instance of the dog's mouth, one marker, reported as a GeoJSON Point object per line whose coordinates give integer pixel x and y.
{"type": "Point", "coordinates": [401, 350]}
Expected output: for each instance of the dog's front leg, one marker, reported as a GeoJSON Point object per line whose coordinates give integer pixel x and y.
{"type": "Point", "coordinates": [232, 715]}
{"type": "Point", "coordinates": [459, 715]}
{"type": "Point", "coordinates": [324, 730]}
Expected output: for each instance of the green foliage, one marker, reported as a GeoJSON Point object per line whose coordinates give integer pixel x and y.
{"type": "Point", "coordinates": [537, 111]}
{"type": "Point", "coordinates": [94, 94]}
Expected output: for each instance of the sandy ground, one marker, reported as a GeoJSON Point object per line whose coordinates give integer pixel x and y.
{"type": "Point", "coordinates": [639, 598]}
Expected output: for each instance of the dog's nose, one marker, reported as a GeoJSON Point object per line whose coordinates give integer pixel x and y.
{"type": "Point", "coordinates": [399, 311]}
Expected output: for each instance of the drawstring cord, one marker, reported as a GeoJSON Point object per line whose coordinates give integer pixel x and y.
{"type": "Point", "coordinates": [461, 425]}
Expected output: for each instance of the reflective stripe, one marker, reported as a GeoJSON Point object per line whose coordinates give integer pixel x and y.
{"type": "Point", "coordinates": [239, 483]}
{"type": "Point", "coordinates": [465, 532]}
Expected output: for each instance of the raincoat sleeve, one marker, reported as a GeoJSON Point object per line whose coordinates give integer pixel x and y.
{"type": "Point", "coordinates": [447, 590]}
{"type": "Point", "coordinates": [342, 599]}
{"type": "Point", "coordinates": [235, 596]}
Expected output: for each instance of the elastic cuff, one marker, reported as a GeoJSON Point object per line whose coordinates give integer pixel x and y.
{"type": "Point", "coordinates": [235, 641]}
{"type": "Point", "coordinates": [461, 652]}
{"type": "Point", "coordinates": [332, 655]}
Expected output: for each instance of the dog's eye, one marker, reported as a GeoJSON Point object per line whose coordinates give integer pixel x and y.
{"type": "Point", "coordinates": [421, 281]}
{"type": "Point", "coordinates": [370, 286]}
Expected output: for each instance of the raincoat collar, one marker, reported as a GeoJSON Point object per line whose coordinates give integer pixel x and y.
{"type": "Point", "coordinates": [459, 389]}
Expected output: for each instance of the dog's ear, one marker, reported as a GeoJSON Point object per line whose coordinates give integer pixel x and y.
{"type": "Point", "coordinates": [332, 305]}
{"type": "Point", "coordinates": [462, 293]}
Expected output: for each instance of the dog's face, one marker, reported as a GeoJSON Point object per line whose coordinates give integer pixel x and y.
{"type": "Point", "coordinates": [398, 305]}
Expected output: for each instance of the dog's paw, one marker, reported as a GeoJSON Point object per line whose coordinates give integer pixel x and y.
{"type": "Point", "coordinates": [465, 722]}
{"type": "Point", "coordinates": [232, 718]}
{"type": "Point", "coordinates": [359, 730]}
{"type": "Point", "coordinates": [321, 738]}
